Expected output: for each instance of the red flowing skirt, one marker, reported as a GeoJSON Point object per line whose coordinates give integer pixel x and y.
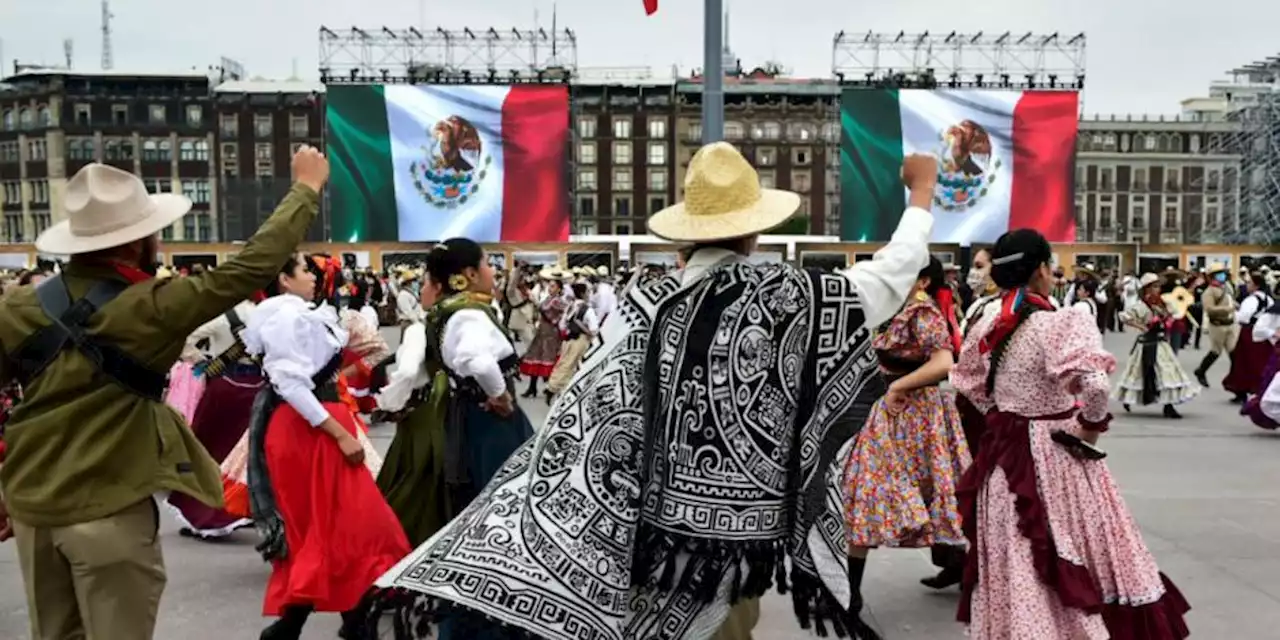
{"type": "Point", "coordinates": [342, 536]}
{"type": "Point", "coordinates": [1248, 360]}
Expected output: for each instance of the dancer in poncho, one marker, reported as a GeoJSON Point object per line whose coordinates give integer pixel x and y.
{"type": "Point", "coordinates": [1054, 553]}
{"type": "Point", "coordinates": [1153, 374]}
{"type": "Point", "coordinates": [325, 528]}
{"type": "Point", "coordinates": [901, 475]}
{"type": "Point", "coordinates": [232, 379]}
{"type": "Point", "coordinates": [696, 458]}
{"type": "Point", "coordinates": [1250, 356]}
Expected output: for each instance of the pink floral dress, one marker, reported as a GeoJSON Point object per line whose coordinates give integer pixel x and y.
{"type": "Point", "coordinates": [900, 478]}
{"type": "Point", "coordinates": [1054, 553]}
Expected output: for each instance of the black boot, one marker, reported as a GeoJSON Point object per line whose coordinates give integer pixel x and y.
{"type": "Point", "coordinates": [1170, 412]}
{"type": "Point", "coordinates": [1203, 369]}
{"type": "Point", "coordinates": [532, 391]}
{"type": "Point", "coordinates": [858, 630]}
{"type": "Point", "coordinates": [1240, 398]}
{"type": "Point", "coordinates": [549, 397]}
{"type": "Point", "coordinates": [289, 626]}
{"type": "Point", "coordinates": [951, 560]}
{"type": "Point", "coordinates": [355, 624]}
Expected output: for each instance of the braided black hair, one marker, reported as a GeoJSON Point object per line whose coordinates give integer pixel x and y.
{"type": "Point", "coordinates": [452, 257]}
{"type": "Point", "coordinates": [1015, 259]}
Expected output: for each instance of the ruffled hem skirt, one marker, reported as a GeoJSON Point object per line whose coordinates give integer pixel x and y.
{"type": "Point", "coordinates": [1172, 384]}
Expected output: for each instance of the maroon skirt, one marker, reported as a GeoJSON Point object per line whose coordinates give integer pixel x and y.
{"type": "Point", "coordinates": [1248, 361]}
{"type": "Point", "coordinates": [221, 418]}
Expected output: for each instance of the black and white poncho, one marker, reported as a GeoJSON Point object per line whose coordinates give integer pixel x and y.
{"type": "Point", "coordinates": [700, 444]}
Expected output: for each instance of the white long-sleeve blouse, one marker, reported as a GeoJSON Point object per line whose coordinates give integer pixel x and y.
{"type": "Point", "coordinates": [296, 341]}
{"type": "Point", "coordinates": [408, 373]}
{"type": "Point", "coordinates": [473, 346]}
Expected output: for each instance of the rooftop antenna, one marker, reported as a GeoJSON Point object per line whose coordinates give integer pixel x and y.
{"type": "Point", "coordinates": [68, 48]}
{"type": "Point", "coordinates": [553, 32]}
{"type": "Point", "coordinates": [106, 35]}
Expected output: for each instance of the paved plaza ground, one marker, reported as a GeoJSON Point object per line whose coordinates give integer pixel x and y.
{"type": "Point", "coordinates": [1206, 491]}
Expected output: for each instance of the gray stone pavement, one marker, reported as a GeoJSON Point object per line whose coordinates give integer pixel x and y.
{"type": "Point", "coordinates": [1205, 490]}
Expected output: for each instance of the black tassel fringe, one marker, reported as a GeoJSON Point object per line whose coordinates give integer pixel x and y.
{"type": "Point", "coordinates": [415, 616]}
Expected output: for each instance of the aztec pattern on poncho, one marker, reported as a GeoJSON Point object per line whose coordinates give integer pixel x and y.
{"type": "Point", "coordinates": [753, 381]}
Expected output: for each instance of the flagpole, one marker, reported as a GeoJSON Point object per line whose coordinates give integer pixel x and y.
{"type": "Point", "coordinates": [713, 72]}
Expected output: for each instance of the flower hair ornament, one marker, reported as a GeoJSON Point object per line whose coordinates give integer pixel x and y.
{"type": "Point", "coordinates": [458, 282]}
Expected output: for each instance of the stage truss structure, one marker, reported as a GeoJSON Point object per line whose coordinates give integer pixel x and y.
{"type": "Point", "coordinates": [939, 60]}
{"type": "Point", "coordinates": [446, 55]}
{"type": "Point", "coordinates": [1251, 182]}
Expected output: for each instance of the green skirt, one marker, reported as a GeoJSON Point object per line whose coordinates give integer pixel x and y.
{"type": "Point", "coordinates": [413, 474]}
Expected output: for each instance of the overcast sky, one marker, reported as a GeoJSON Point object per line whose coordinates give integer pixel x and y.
{"type": "Point", "coordinates": [1144, 56]}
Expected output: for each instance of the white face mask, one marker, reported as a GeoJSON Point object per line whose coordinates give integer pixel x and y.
{"type": "Point", "coordinates": [977, 279]}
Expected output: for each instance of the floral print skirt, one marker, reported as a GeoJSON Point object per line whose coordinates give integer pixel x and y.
{"type": "Point", "coordinates": [900, 479]}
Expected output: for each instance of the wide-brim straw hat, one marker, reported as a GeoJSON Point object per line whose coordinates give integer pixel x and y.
{"type": "Point", "coordinates": [722, 200]}
{"type": "Point", "coordinates": [1085, 270]}
{"type": "Point", "coordinates": [1147, 280]}
{"type": "Point", "coordinates": [1217, 267]}
{"type": "Point", "coordinates": [554, 273]}
{"type": "Point", "coordinates": [107, 207]}
{"type": "Point", "coordinates": [602, 271]}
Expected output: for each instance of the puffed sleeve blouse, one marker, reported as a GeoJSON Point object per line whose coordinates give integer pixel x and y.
{"type": "Point", "coordinates": [295, 341]}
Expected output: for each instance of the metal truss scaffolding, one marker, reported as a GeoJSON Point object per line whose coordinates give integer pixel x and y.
{"type": "Point", "coordinates": [961, 59]}
{"type": "Point", "coordinates": [364, 55]}
{"type": "Point", "coordinates": [1252, 214]}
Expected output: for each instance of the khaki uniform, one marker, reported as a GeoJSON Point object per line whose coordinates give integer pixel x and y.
{"type": "Point", "coordinates": [1220, 315]}
{"type": "Point", "coordinates": [742, 619]}
{"type": "Point", "coordinates": [85, 456]}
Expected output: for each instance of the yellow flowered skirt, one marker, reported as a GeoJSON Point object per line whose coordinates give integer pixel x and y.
{"type": "Point", "coordinates": [901, 475]}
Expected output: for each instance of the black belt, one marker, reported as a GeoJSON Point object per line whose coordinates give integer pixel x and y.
{"type": "Point", "coordinates": [469, 389]}
{"type": "Point", "coordinates": [326, 380]}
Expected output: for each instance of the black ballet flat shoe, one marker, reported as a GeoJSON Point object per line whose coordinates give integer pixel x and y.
{"type": "Point", "coordinates": [548, 396]}
{"type": "Point", "coordinates": [1127, 408]}
{"type": "Point", "coordinates": [1170, 412]}
{"type": "Point", "coordinates": [948, 577]}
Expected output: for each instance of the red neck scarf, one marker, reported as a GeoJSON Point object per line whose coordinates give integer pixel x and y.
{"type": "Point", "coordinates": [1010, 308]}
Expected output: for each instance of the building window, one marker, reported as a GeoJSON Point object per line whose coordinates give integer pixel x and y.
{"type": "Point", "coordinates": [658, 180]}
{"type": "Point", "coordinates": [1106, 178]}
{"type": "Point", "coordinates": [622, 206]}
{"type": "Point", "coordinates": [39, 191]}
{"type": "Point", "coordinates": [1080, 212]}
{"type": "Point", "coordinates": [1138, 212]}
{"type": "Point", "coordinates": [8, 151]}
{"type": "Point", "coordinates": [622, 126]}
{"type": "Point", "coordinates": [13, 226]}
{"type": "Point", "coordinates": [656, 204]}
{"type": "Point", "coordinates": [1173, 178]}
{"type": "Point", "coordinates": [12, 192]}
{"type": "Point", "coordinates": [767, 180]}
{"type": "Point", "coordinates": [766, 156]}
{"type": "Point", "coordinates": [694, 132]}
{"type": "Point", "coordinates": [800, 181]}
{"type": "Point", "coordinates": [230, 160]}
{"type": "Point", "coordinates": [622, 153]}
{"type": "Point", "coordinates": [1148, 142]}
{"type": "Point", "coordinates": [732, 131]}
{"type": "Point", "coordinates": [150, 150]}
{"type": "Point", "coordinates": [262, 126]}
{"type": "Point", "coordinates": [657, 127]}
{"type": "Point", "coordinates": [622, 229]}
{"type": "Point", "coordinates": [36, 150]}
{"type": "Point", "coordinates": [264, 167]}
{"type": "Point", "coordinates": [1212, 210]}
{"type": "Point", "coordinates": [45, 116]}
{"type": "Point", "coordinates": [1106, 212]}
{"type": "Point", "coordinates": [229, 125]}
{"type": "Point", "coordinates": [1171, 210]}
{"type": "Point", "coordinates": [204, 227]}
{"type": "Point", "coordinates": [195, 115]}
{"type": "Point", "coordinates": [193, 150]}
{"type": "Point", "coordinates": [1139, 179]}
{"type": "Point", "coordinates": [801, 156]}
{"type": "Point", "coordinates": [7, 121]}
{"type": "Point", "coordinates": [157, 114]}
{"type": "Point", "coordinates": [587, 152]}
{"type": "Point", "coordinates": [800, 131]}
{"type": "Point", "coordinates": [587, 179]}
{"type": "Point", "coordinates": [766, 131]}
{"type": "Point", "coordinates": [166, 234]}
{"type": "Point", "coordinates": [299, 126]}
{"type": "Point", "coordinates": [26, 119]}
{"type": "Point", "coordinates": [196, 190]}
{"type": "Point", "coordinates": [119, 114]}
{"type": "Point", "coordinates": [658, 153]}
{"type": "Point", "coordinates": [84, 114]}
{"type": "Point", "coordinates": [622, 179]}
{"type": "Point", "coordinates": [43, 220]}
{"type": "Point", "coordinates": [586, 228]}
{"type": "Point", "coordinates": [587, 126]}
{"type": "Point", "coordinates": [830, 132]}
{"type": "Point", "coordinates": [587, 206]}
{"type": "Point", "coordinates": [189, 228]}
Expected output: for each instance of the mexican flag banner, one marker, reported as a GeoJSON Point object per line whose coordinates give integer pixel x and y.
{"type": "Point", "coordinates": [1005, 161]}
{"type": "Point", "coordinates": [423, 163]}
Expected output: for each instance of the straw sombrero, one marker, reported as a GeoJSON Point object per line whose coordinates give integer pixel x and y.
{"type": "Point", "coordinates": [1085, 270]}
{"type": "Point", "coordinates": [553, 273]}
{"type": "Point", "coordinates": [722, 200]}
{"type": "Point", "coordinates": [1217, 267]}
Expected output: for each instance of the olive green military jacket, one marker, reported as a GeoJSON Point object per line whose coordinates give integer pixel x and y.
{"type": "Point", "coordinates": [81, 447]}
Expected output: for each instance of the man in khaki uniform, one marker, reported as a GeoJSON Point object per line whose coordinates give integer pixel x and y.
{"type": "Point", "coordinates": [1220, 313]}
{"type": "Point", "coordinates": [92, 441]}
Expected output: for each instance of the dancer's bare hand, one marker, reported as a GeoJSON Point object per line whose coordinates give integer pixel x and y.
{"type": "Point", "coordinates": [895, 401]}
{"type": "Point", "coordinates": [310, 167]}
{"type": "Point", "coordinates": [1090, 436]}
{"type": "Point", "coordinates": [352, 450]}
{"type": "Point", "coordinates": [502, 405]}
{"type": "Point", "coordinates": [920, 172]}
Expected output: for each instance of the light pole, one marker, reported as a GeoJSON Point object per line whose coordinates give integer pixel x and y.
{"type": "Point", "coordinates": [713, 72]}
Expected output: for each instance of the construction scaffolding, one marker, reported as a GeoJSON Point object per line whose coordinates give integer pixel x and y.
{"type": "Point", "coordinates": [370, 55]}
{"type": "Point", "coordinates": [1006, 60]}
{"type": "Point", "coordinates": [1251, 182]}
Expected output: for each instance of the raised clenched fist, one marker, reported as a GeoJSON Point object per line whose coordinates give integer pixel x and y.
{"type": "Point", "coordinates": [310, 167]}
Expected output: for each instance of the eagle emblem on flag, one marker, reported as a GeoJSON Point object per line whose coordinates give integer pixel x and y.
{"type": "Point", "coordinates": [455, 162]}
{"type": "Point", "coordinates": [966, 166]}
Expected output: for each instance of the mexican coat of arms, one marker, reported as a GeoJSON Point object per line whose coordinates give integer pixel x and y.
{"type": "Point", "coordinates": [455, 164]}
{"type": "Point", "coordinates": [966, 166]}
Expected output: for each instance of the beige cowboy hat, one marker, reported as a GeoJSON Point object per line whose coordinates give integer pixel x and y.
{"type": "Point", "coordinates": [1217, 267]}
{"type": "Point", "coordinates": [554, 273]}
{"type": "Point", "coordinates": [602, 271]}
{"type": "Point", "coordinates": [1087, 270]}
{"type": "Point", "coordinates": [1147, 280]}
{"type": "Point", "coordinates": [106, 207]}
{"type": "Point", "coordinates": [722, 200]}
